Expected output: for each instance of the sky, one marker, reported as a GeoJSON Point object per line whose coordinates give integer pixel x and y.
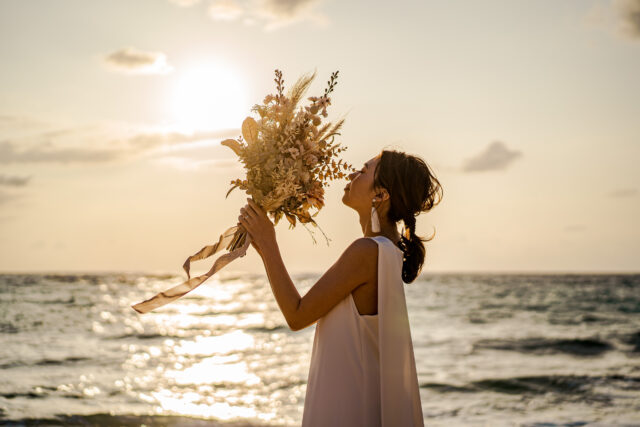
{"type": "Point", "coordinates": [112, 113]}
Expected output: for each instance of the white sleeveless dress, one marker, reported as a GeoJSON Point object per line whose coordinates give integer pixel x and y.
{"type": "Point", "coordinates": [363, 370]}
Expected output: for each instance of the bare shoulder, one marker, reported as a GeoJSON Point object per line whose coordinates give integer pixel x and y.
{"type": "Point", "coordinates": [362, 247]}
{"type": "Point", "coordinates": [355, 267]}
{"type": "Point", "coordinates": [362, 255]}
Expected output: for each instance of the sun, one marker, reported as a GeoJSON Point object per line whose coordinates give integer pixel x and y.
{"type": "Point", "coordinates": [209, 97]}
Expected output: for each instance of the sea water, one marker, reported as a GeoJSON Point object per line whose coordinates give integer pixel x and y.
{"type": "Point", "coordinates": [491, 350]}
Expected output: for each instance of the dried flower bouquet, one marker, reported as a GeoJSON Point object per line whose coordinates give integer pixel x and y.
{"type": "Point", "coordinates": [289, 156]}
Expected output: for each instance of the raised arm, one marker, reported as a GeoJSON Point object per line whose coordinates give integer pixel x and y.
{"type": "Point", "coordinates": [356, 266]}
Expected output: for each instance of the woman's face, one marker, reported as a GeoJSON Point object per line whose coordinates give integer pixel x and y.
{"type": "Point", "coordinates": [359, 192]}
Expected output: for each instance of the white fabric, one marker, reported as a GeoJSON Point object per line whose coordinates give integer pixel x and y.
{"type": "Point", "coordinates": [363, 370]}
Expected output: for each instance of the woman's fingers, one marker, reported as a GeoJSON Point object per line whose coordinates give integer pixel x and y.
{"type": "Point", "coordinates": [249, 209]}
{"type": "Point", "coordinates": [254, 206]}
{"type": "Point", "coordinates": [250, 213]}
{"type": "Point", "coordinates": [252, 210]}
{"type": "Point", "coordinates": [247, 213]}
{"type": "Point", "coordinates": [247, 218]}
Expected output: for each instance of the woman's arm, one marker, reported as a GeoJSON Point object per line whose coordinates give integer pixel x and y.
{"type": "Point", "coordinates": [282, 286]}
{"type": "Point", "coordinates": [356, 266]}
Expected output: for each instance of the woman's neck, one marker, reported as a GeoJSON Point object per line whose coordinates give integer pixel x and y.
{"type": "Point", "coordinates": [387, 229]}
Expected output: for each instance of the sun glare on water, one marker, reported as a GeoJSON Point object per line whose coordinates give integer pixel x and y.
{"type": "Point", "coordinates": [209, 97]}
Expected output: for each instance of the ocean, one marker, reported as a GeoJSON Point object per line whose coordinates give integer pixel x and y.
{"type": "Point", "coordinates": [491, 350]}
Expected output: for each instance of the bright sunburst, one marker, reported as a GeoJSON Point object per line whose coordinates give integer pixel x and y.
{"type": "Point", "coordinates": [208, 97]}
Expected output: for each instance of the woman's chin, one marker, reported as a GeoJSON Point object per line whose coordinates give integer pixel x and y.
{"type": "Point", "coordinates": [345, 198]}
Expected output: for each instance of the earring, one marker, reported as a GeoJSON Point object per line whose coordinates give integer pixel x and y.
{"type": "Point", "coordinates": [375, 221]}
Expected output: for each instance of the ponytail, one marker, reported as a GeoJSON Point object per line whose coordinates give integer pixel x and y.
{"type": "Point", "coordinates": [413, 248]}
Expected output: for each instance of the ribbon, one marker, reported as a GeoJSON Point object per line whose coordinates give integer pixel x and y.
{"type": "Point", "coordinates": [235, 239]}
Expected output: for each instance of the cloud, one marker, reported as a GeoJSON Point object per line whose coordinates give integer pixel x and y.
{"type": "Point", "coordinates": [7, 197]}
{"type": "Point", "coordinates": [285, 8]}
{"type": "Point", "coordinates": [146, 141]}
{"type": "Point", "coordinates": [134, 61]}
{"type": "Point", "coordinates": [623, 192]}
{"type": "Point", "coordinates": [272, 14]}
{"type": "Point", "coordinates": [280, 13]}
{"type": "Point", "coordinates": [8, 121]}
{"type": "Point", "coordinates": [184, 3]}
{"type": "Point", "coordinates": [14, 181]}
{"type": "Point", "coordinates": [629, 15]}
{"type": "Point", "coordinates": [44, 153]}
{"type": "Point", "coordinates": [96, 143]}
{"type": "Point", "coordinates": [188, 164]}
{"type": "Point", "coordinates": [225, 10]}
{"type": "Point", "coordinates": [495, 157]}
{"type": "Point", "coordinates": [621, 17]}
{"type": "Point", "coordinates": [100, 147]}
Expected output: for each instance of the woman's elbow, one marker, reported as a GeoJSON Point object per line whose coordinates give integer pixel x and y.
{"type": "Point", "coordinates": [294, 320]}
{"type": "Point", "coordinates": [294, 324]}
{"type": "Point", "coordinates": [299, 324]}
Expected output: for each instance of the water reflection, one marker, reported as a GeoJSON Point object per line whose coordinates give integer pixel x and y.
{"type": "Point", "coordinates": [206, 368]}
{"type": "Point", "coordinates": [194, 404]}
{"type": "Point", "coordinates": [221, 344]}
{"type": "Point", "coordinates": [215, 370]}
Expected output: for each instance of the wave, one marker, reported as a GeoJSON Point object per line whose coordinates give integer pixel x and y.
{"type": "Point", "coordinates": [576, 346]}
{"type": "Point", "coordinates": [30, 395]}
{"type": "Point", "coordinates": [562, 384]}
{"type": "Point", "coordinates": [8, 328]}
{"type": "Point", "coordinates": [266, 328]}
{"type": "Point", "coordinates": [44, 362]}
{"type": "Point", "coordinates": [108, 420]}
{"type": "Point", "coordinates": [229, 312]}
{"type": "Point", "coordinates": [70, 300]}
{"type": "Point", "coordinates": [633, 339]}
{"type": "Point", "coordinates": [141, 336]}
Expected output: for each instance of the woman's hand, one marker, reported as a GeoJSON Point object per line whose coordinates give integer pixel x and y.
{"type": "Point", "coordinates": [262, 231]}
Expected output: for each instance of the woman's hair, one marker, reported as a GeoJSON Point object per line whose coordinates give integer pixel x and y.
{"type": "Point", "coordinates": [412, 189]}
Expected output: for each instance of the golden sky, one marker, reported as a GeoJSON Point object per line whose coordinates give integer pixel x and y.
{"type": "Point", "coordinates": [111, 114]}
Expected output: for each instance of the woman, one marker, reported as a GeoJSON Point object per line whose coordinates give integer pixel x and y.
{"type": "Point", "coordinates": [362, 369]}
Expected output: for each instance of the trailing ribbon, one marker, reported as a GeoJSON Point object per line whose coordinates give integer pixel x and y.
{"type": "Point", "coordinates": [235, 239]}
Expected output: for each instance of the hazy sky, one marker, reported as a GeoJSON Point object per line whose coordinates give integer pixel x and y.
{"type": "Point", "coordinates": [111, 114]}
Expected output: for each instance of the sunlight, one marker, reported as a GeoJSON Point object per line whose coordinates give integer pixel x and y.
{"type": "Point", "coordinates": [209, 97]}
{"type": "Point", "coordinates": [190, 404]}
{"type": "Point", "coordinates": [220, 344]}
{"type": "Point", "coordinates": [214, 370]}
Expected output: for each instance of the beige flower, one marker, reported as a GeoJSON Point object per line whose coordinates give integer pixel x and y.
{"type": "Point", "coordinates": [289, 155]}
{"type": "Point", "coordinates": [294, 152]}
